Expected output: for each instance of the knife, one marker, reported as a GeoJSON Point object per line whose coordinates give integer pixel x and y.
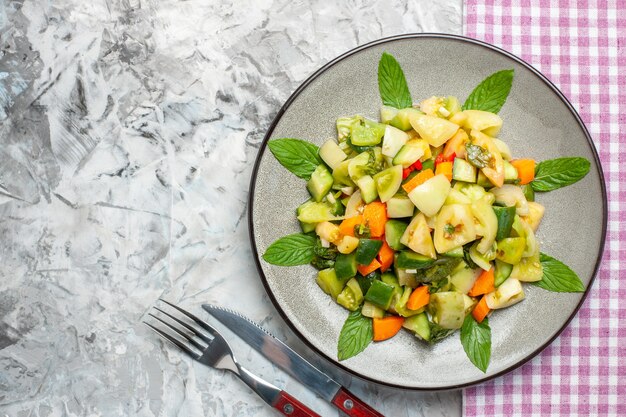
{"type": "Point", "coordinates": [289, 361]}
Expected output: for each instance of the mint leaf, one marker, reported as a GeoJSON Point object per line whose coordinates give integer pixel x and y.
{"type": "Point", "coordinates": [558, 277]}
{"type": "Point", "coordinates": [476, 341]}
{"type": "Point", "coordinates": [355, 335]}
{"type": "Point", "coordinates": [556, 173]}
{"type": "Point", "coordinates": [291, 250]}
{"type": "Point", "coordinates": [491, 93]}
{"type": "Point", "coordinates": [298, 156]}
{"type": "Point", "coordinates": [391, 83]}
{"type": "Point", "coordinates": [438, 333]}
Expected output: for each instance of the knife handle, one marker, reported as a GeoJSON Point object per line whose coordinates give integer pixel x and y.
{"type": "Point", "coordinates": [290, 407]}
{"type": "Point", "coordinates": [352, 406]}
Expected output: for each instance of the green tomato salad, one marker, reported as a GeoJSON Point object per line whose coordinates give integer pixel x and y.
{"type": "Point", "coordinates": [423, 220]}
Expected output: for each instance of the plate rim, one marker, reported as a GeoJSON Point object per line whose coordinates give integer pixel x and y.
{"type": "Point", "coordinates": [319, 72]}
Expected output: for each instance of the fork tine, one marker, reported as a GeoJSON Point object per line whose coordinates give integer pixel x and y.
{"type": "Point", "coordinates": [201, 323]}
{"type": "Point", "coordinates": [180, 332]}
{"type": "Point", "coordinates": [174, 341]}
{"type": "Point", "coordinates": [185, 325]}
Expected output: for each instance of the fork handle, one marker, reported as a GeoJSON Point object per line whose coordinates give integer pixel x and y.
{"type": "Point", "coordinates": [289, 406]}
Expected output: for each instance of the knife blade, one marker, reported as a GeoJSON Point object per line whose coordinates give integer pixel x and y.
{"type": "Point", "coordinates": [291, 362]}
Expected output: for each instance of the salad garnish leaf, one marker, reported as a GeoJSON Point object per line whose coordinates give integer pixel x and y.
{"type": "Point", "coordinates": [291, 250]}
{"type": "Point", "coordinates": [558, 277]}
{"type": "Point", "coordinates": [476, 341]}
{"type": "Point", "coordinates": [552, 174]}
{"type": "Point", "coordinates": [298, 156]}
{"type": "Point", "coordinates": [438, 333]}
{"type": "Point", "coordinates": [355, 335]}
{"type": "Point", "coordinates": [324, 257]}
{"type": "Point", "coordinates": [392, 84]}
{"type": "Point", "coordinates": [491, 93]}
{"type": "Point", "coordinates": [478, 156]}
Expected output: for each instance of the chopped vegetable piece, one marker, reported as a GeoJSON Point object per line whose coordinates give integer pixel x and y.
{"type": "Point", "coordinates": [351, 297]}
{"type": "Point", "coordinates": [366, 269]}
{"type": "Point", "coordinates": [484, 284]}
{"type": "Point", "coordinates": [375, 217]}
{"type": "Point", "coordinates": [385, 257]}
{"type": "Point", "coordinates": [481, 310]}
{"type": "Point", "coordinates": [419, 298]}
{"type": "Point", "coordinates": [525, 170]}
{"type": "Point", "coordinates": [380, 294]}
{"type": "Point", "coordinates": [386, 327]}
{"type": "Point", "coordinates": [505, 216]}
{"type": "Point", "coordinates": [456, 145]}
{"type": "Point", "coordinates": [444, 168]}
{"type": "Point", "coordinates": [420, 178]}
{"type": "Point", "coordinates": [346, 228]}
{"type": "Point", "coordinates": [346, 266]}
{"type": "Point", "coordinates": [511, 249]}
{"type": "Point", "coordinates": [367, 250]}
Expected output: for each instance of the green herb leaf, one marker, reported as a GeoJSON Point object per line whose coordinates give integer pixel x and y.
{"type": "Point", "coordinates": [355, 335]}
{"type": "Point", "coordinates": [476, 341]}
{"type": "Point", "coordinates": [558, 277]}
{"type": "Point", "coordinates": [291, 250]}
{"type": "Point", "coordinates": [477, 155]}
{"type": "Point", "coordinates": [392, 83]}
{"type": "Point", "coordinates": [556, 173]}
{"type": "Point", "coordinates": [298, 156]}
{"type": "Point", "coordinates": [491, 93]}
{"type": "Point", "coordinates": [438, 333]}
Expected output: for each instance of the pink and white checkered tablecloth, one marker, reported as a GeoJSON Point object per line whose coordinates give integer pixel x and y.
{"type": "Point", "coordinates": [581, 47]}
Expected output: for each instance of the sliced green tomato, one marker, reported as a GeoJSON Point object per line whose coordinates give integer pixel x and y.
{"type": "Point", "coordinates": [510, 250]}
{"type": "Point", "coordinates": [511, 196]}
{"type": "Point", "coordinates": [505, 216]}
{"type": "Point", "coordinates": [366, 132]}
{"type": "Point", "coordinates": [344, 127]}
{"type": "Point", "coordinates": [320, 183]}
{"type": "Point", "coordinates": [484, 121]}
{"type": "Point", "coordinates": [341, 176]}
{"type": "Point", "coordinates": [394, 229]}
{"type": "Point", "coordinates": [452, 105]}
{"type": "Point", "coordinates": [457, 197]}
{"type": "Point", "coordinates": [419, 325]}
{"type": "Point", "coordinates": [400, 206]}
{"type": "Point", "coordinates": [482, 260]}
{"type": "Point", "coordinates": [355, 204]}
{"type": "Point", "coordinates": [367, 250]}
{"type": "Point", "coordinates": [402, 119]}
{"type": "Point", "coordinates": [472, 191]}
{"type": "Point", "coordinates": [387, 113]}
{"type": "Point", "coordinates": [510, 173]}
{"type": "Point", "coordinates": [400, 304]}
{"type": "Point", "coordinates": [407, 259]}
{"type": "Point", "coordinates": [483, 181]}
{"type": "Point", "coordinates": [345, 265]}
{"type": "Point", "coordinates": [307, 227]}
{"type": "Point", "coordinates": [332, 154]}
{"type": "Point", "coordinates": [351, 297]}
{"type": "Point", "coordinates": [463, 279]}
{"type": "Point", "coordinates": [388, 182]}
{"type": "Point", "coordinates": [313, 212]}
{"type": "Point", "coordinates": [430, 196]}
{"type": "Point", "coordinates": [495, 170]}
{"type": "Point", "coordinates": [435, 130]}
{"type": "Point", "coordinates": [393, 141]}
{"type": "Point", "coordinates": [502, 272]}
{"type": "Point", "coordinates": [487, 226]}
{"type": "Point", "coordinates": [330, 283]}
{"type": "Point", "coordinates": [380, 294]}
{"type": "Point", "coordinates": [412, 151]}
{"type": "Point", "coordinates": [454, 227]}
{"type": "Point", "coordinates": [523, 229]}
{"type": "Point", "coordinates": [508, 293]}
{"type": "Point", "coordinates": [528, 269]}
{"type": "Point", "coordinates": [535, 214]}
{"type": "Point", "coordinates": [371, 310]}
{"type": "Point", "coordinates": [431, 105]}
{"type": "Point", "coordinates": [463, 171]}
{"type": "Point", "coordinates": [417, 237]}
{"type": "Point", "coordinates": [367, 186]}
{"type": "Point", "coordinates": [447, 309]}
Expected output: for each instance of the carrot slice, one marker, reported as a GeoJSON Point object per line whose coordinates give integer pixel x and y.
{"type": "Point", "coordinates": [418, 298]}
{"type": "Point", "coordinates": [346, 228]}
{"type": "Point", "coordinates": [481, 310]}
{"type": "Point", "coordinates": [420, 178]}
{"type": "Point", "coordinates": [375, 217]}
{"type": "Point", "coordinates": [525, 170]}
{"type": "Point", "coordinates": [456, 145]}
{"type": "Point", "coordinates": [444, 168]}
{"type": "Point", "coordinates": [484, 284]}
{"type": "Point", "coordinates": [385, 256]}
{"type": "Point", "coordinates": [387, 327]}
{"type": "Point", "coordinates": [368, 269]}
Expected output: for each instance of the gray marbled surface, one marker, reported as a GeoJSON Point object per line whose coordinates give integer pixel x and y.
{"type": "Point", "coordinates": [128, 131]}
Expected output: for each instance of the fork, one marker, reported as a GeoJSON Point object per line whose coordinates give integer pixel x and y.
{"type": "Point", "coordinates": [216, 353]}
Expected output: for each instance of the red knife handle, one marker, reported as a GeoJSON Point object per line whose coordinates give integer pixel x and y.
{"type": "Point", "coordinates": [352, 406]}
{"type": "Point", "coordinates": [289, 406]}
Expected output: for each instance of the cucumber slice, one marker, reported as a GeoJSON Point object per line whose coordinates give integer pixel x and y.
{"type": "Point", "coordinates": [388, 182]}
{"type": "Point", "coordinates": [372, 311]}
{"type": "Point", "coordinates": [447, 309]}
{"type": "Point", "coordinates": [367, 185]}
{"type": "Point", "coordinates": [402, 120]}
{"type": "Point", "coordinates": [410, 153]}
{"type": "Point", "coordinates": [462, 280]}
{"type": "Point", "coordinates": [505, 216]}
{"type": "Point", "coordinates": [330, 283]}
{"type": "Point", "coordinates": [393, 141]}
{"type": "Point", "coordinates": [394, 229]}
{"type": "Point", "coordinates": [483, 181]}
{"type": "Point", "coordinates": [419, 325]}
{"type": "Point", "coordinates": [529, 193]}
{"type": "Point", "coordinates": [313, 212]}
{"type": "Point", "coordinates": [411, 260]}
{"type": "Point", "coordinates": [407, 278]}
{"type": "Point", "coordinates": [504, 149]}
{"type": "Point", "coordinates": [400, 305]}
{"type": "Point", "coordinates": [387, 113]}
{"type": "Point", "coordinates": [320, 183]}
{"type": "Point", "coordinates": [400, 206]}
{"type": "Point", "coordinates": [380, 294]}
{"type": "Point", "coordinates": [455, 253]}
{"type": "Point", "coordinates": [345, 266]}
{"type": "Point", "coordinates": [366, 163]}
{"type": "Point", "coordinates": [510, 173]}
{"type": "Point", "coordinates": [341, 174]}
{"type": "Point", "coordinates": [463, 171]}
{"type": "Point", "coordinates": [502, 272]}
{"type": "Point", "coordinates": [452, 105]}
{"type": "Point", "coordinates": [332, 154]}
{"type": "Point", "coordinates": [367, 250]}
